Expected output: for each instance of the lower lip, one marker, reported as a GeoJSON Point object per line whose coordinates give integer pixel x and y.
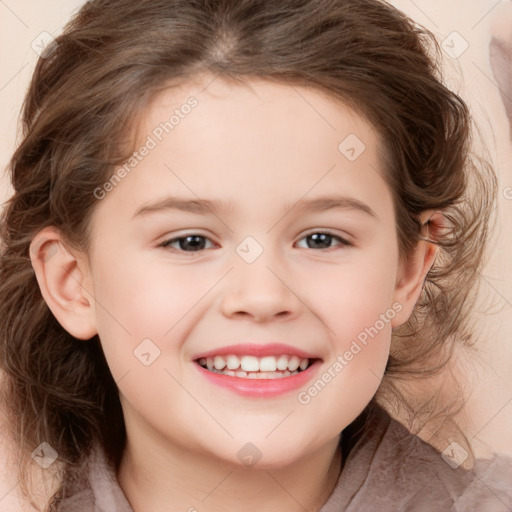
{"type": "Point", "coordinates": [261, 387]}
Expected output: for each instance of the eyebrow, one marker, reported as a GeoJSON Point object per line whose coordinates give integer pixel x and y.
{"type": "Point", "coordinates": [219, 207]}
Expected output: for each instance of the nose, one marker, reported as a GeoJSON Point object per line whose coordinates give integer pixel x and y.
{"type": "Point", "coordinates": [260, 291]}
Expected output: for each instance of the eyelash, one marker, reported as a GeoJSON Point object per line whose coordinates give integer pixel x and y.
{"type": "Point", "coordinates": [166, 243]}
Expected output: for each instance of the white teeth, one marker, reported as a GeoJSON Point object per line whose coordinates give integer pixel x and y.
{"type": "Point", "coordinates": [245, 366]}
{"type": "Point", "coordinates": [293, 363]}
{"type": "Point", "coordinates": [233, 362]}
{"type": "Point", "coordinates": [250, 364]}
{"type": "Point", "coordinates": [219, 362]}
{"type": "Point", "coordinates": [268, 364]}
{"type": "Point", "coordinates": [282, 363]}
{"type": "Point", "coordinates": [304, 364]}
{"type": "Point", "coordinates": [256, 375]}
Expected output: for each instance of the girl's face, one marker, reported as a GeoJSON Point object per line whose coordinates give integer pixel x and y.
{"type": "Point", "coordinates": [256, 222]}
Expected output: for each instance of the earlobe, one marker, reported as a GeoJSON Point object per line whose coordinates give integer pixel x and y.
{"type": "Point", "coordinates": [61, 278]}
{"type": "Point", "coordinates": [413, 271]}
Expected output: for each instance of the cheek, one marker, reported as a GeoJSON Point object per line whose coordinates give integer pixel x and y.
{"type": "Point", "coordinates": [136, 301]}
{"type": "Point", "coordinates": [352, 296]}
{"type": "Point", "coordinates": [359, 318]}
{"type": "Point", "coordinates": [355, 301]}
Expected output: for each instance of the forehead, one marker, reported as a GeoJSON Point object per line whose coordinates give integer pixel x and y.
{"type": "Point", "coordinates": [256, 143]}
{"type": "Point", "coordinates": [252, 104]}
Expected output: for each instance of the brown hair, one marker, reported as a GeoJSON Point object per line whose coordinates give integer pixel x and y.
{"type": "Point", "coordinates": [111, 60]}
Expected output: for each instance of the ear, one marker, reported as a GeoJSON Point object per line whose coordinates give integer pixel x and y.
{"type": "Point", "coordinates": [61, 276]}
{"type": "Point", "coordinates": [413, 271]}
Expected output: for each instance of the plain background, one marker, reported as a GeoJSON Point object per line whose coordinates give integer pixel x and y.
{"type": "Point", "coordinates": [23, 21]}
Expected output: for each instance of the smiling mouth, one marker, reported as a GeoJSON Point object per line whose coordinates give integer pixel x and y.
{"type": "Point", "coordinates": [252, 367]}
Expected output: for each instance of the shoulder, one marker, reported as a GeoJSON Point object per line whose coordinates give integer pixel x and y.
{"type": "Point", "coordinates": [388, 468]}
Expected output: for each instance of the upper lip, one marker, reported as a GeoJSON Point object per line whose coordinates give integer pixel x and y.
{"type": "Point", "coordinates": [257, 350]}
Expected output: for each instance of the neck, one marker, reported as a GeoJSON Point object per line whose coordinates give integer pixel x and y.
{"type": "Point", "coordinates": [172, 479]}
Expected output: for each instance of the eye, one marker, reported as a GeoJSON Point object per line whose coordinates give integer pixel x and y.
{"type": "Point", "coordinates": [323, 240]}
{"type": "Point", "coordinates": [188, 243]}
{"type": "Point", "coordinates": [194, 242]}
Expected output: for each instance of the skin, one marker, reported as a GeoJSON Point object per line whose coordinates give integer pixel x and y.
{"type": "Point", "coordinates": [261, 147]}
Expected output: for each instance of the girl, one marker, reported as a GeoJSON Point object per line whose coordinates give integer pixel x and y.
{"type": "Point", "coordinates": [236, 226]}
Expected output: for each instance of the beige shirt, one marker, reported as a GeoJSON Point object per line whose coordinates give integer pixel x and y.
{"type": "Point", "coordinates": [385, 469]}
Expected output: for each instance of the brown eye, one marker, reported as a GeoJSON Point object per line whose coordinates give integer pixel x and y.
{"type": "Point", "coordinates": [324, 240]}
{"type": "Point", "coordinates": [189, 243]}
